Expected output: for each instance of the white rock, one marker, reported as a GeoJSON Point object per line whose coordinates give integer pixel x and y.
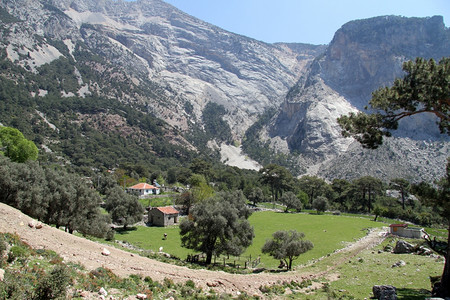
{"type": "Point", "coordinates": [2, 275]}
{"type": "Point", "coordinates": [106, 252]}
{"type": "Point", "coordinates": [103, 292]}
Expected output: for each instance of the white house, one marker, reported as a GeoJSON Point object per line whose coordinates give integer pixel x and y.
{"type": "Point", "coordinates": [143, 189]}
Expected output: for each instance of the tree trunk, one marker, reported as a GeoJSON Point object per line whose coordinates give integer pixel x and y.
{"type": "Point", "coordinates": [443, 290]}
{"type": "Point", "coordinates": [209, 255]}
{"type": "Point", "coordinates": [289, 266]}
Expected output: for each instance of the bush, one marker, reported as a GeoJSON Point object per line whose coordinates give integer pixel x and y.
{"type": "Point", "coordinates": [53, 285]}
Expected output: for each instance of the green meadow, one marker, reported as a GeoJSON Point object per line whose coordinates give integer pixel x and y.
{"type": "Point", "coordinates": [327, 232]}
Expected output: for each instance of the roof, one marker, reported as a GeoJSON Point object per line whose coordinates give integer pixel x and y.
{"type": "Point", "coordinates": [398, 225]}
{"type": "Point", "coordinates": [143, 186]}
{"type": "Point", "coordinates": [167, 210]}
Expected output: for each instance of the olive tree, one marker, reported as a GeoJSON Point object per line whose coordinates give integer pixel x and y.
{"type": "Point", "coordinates": [287, 246]}
{"type": "Point", "coordinates": [218, 225]}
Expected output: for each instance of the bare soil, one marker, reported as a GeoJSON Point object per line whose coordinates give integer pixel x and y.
{"type": "Point", "coordinates": [122, 263]}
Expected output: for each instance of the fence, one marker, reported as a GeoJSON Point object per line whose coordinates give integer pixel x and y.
{"type": "Point", "coordinates": [226, 260]}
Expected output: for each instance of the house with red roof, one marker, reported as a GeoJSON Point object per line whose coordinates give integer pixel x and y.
{"type": "Point", "coordinates": [406, 231]}
{"type": "Point", "coordinates": [144, 189]}
{"type": "Point", "coordinates": [163, 216]}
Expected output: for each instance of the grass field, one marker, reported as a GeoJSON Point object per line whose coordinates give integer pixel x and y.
{"type": "Point", "coordinates": [327, 233]}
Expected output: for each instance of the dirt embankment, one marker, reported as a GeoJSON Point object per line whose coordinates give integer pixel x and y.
{"type": "Point", "coordinates": [122, 263]}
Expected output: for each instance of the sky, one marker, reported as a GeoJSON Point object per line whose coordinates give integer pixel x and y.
{"type": "Point", "coordinates": [302, 21]}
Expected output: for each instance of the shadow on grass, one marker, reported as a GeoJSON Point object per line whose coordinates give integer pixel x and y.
{"type": "Point", "coordinates": [125, 230]}
{"type": "Point", "coordinates": [412, 294]}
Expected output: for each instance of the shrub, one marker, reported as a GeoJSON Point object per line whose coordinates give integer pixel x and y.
{"type": "Point", "coordinates": [53, 285]}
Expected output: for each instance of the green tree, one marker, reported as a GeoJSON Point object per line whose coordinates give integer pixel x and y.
{"type": "Point", "coordinates": [314, 187]}
{"type": "Point", "coordinates": [378, 210]}
{"type": "Point", "coordinates": [291, 201]}
{"type": "Point", "coordinates": [320, 204]}
{"type": "Point", "coordinates": [403, 186]}
{"type": "Point", "coordinates": [256, 196]}
{"type": "Point", "coordinates": [277, 177]}
{"type": "Point", "coordinates": [424, 89]}
{"type": "Point", "coordinates": [367, 188]}
{"type": "Point", "coordinates": [125, 209]}
{"type": "Point", "coordinates": [218, 225]}
{"type": "Point", "coordinates": [15, 146]}
{"type": "Point", "coordinates": [287, 246]}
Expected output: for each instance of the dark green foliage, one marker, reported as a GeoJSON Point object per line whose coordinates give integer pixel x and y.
{"type": "Point", "coordinates": [55, 197]}
{"type": "Point", "coordinates": [287, 246]}
{"type": "Point", "coordinates": [218, 225]}
{"type": "Point", "coordinates": [291, 201]}
{"type": "Point", "coordinates": [320, 204]}
{"type": "Point", "coordinates": [278, 178]}
{"type": "Point", "coordinates": [262, 152]}
{"type": "Point", "coordinates": [53, 285]}
{"type": "Point", "coordinates": [215, 126]}
{"type": "Point", "coordinates": [125, 209]}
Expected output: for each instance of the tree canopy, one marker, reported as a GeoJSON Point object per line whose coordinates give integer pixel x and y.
{"type": "Point", "coordinates": [15, 146]}
{"type": "Point", "coordinates": [424, 89]}
{"type": "Point", "coordinates": [218, 225]}
{"type": "Point", "coordinates": [287, 246]}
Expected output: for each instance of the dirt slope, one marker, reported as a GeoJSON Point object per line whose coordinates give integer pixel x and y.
{"type": "Point", "coordinates": [122, 263]}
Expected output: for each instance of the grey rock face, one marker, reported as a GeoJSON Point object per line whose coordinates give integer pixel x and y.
{"type": "Point", "coordinates": [363, 56]}
{"type": "Point", "coordinates": [403, 247]}
{"type": "Point", "coordinates": [384, 292]}
{"type": "Point", "coordinates": [153, 43]}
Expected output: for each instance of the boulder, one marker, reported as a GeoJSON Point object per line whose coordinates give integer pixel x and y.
{"type": "Point", "coordinates": [403, 247]}
{"type": "Point", "coordinates": [2, 275]}
{"type": "Point", "coordinates": [31, 224]}
{"type": "Point", "coordinates": [384, 292]}
{"type": "Point", "coordinates": [103, 292]}
{"type": "Point", "coordinates": [38, 225]}
{"type": "Point", "coordinates": [400, 263]}
{"type": "Point", "coordinates": [141, 296]}
{"type": "Point", "coordinates": [106, 252]}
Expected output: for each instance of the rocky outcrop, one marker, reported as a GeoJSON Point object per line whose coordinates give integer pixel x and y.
{"type": "Point", "coordinates": [180, 58]}
{"type": "Point", "coordinates": [363, 56]}
{"type": "Point", "coordinates": [384, 292]}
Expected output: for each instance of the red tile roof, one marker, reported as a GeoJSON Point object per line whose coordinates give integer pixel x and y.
{"type": "Point", "coordinates": [167, 210]}
{"type": "Point", "coordinates": [398, 225]}
{"type": "Point", "coordinates": [143, 186]}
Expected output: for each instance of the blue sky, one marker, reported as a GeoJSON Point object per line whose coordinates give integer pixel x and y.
{"type": "Point", "coordinates": [304, 21]}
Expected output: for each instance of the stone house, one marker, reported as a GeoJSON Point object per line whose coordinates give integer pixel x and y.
{"type": "Point", "coordinates": [163, 216]}
{"type": "Point", "coordinates": [143, 189]}
{"type": "Point", "coordinates": [405, 231]}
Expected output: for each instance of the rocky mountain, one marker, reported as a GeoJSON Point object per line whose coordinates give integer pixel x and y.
{"type": "Point", "coordinates": [363, 56]}
{"type": "Point", "coordinates": [191, 61]}
{"type": "Point", "coordinates": [133, 67]}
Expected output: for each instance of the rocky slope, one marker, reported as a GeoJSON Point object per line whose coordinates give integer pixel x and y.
{"type": "Point", "coordinates": [190, 62]}
{"type": "Point", "coordinates": [363, 56]}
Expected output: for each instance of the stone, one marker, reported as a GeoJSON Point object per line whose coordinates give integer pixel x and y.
{"type": "Point", "coordinates": [2, 275]}
{"type": "Point", "coordinates": [38, 225]}
{"type": "Point", "coordinates": [31, 224]}
{"type": "Point", "coordinates": [403, 247]}
{"type": "Point", "coordinates": [103, 292]}
{"type": "Point", "coordinates": [400, 263]}
{"type": "Point", "coordinates": [384, 292]}
{"type": "Point", "coordinates": [106, 252]}
{"type": "Point", "coordinates": [141, 296]}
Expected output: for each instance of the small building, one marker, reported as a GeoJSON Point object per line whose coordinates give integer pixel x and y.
{"type": "Point", "coordinates": [144, 189]}
{"type": "Point", "coordinates": [405, 231]}
{"type": "Point", "coordinates": [163, 216]}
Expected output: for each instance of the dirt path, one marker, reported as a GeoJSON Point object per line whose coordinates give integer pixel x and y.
{"type": "Point", "coordinates": [122, 263]}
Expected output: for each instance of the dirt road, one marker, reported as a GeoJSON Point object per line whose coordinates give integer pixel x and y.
{"type": "Point", "coordinates": [122, 263]}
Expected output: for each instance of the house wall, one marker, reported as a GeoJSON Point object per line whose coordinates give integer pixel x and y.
{"type": "Point", "coordinates": [157, 218]}
{"type": "Point", "coordinates": [411, 233]}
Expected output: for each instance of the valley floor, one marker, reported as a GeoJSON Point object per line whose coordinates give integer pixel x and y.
{"type": "Point", "coordinates": [122, 263]}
